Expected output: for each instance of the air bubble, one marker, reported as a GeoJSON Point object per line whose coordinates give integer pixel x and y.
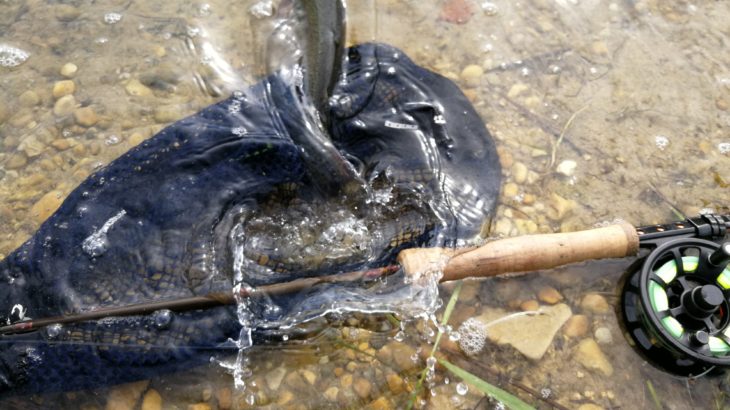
{"type": "Point", "coordinates": [489, 8]}
{"type": "Point", "coordinates": [462, 388]}
{"type": "Point", "coordinates": [400, 336]}
{"type": "Point", "coordinates": [54, 331]}
{"type": "Point", "coordinates": [163, 318]}
{"type": "Point", "coordinates": [11, 56]}
{"type": "Point", "coordinates": [661, 142]}
{"type": "Point", "coordinates": [473, 336]}
{"type": "Point", "coordinates": [112, 18]}
{"type": "Point", "coordinates": [239, 131]}
{"type": "Point", "coordinates": [112, 140]}
{"type": "Point", "coordinates": [204, 10]}
{"type": "Point", "coordinates": [724, 147]}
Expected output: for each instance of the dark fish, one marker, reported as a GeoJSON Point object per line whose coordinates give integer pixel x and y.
{"type": "Point", "coordinates": [155, 224]}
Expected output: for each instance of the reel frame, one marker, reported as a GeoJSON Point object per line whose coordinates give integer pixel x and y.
{"type": "Point", "coordinates": [676, 299]}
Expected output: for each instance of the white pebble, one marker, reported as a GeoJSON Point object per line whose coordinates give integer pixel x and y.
{"type": "Point", "coordinates": [567, 167]}
{"type": "Point", "coordinates": [603, 336]}
{"type": "Point", "coordinates": [112, 18]}
{"type": "Point", "coordinates": [724, 147]}
{"type": "Point", "coordinates": [661, 142]}
{"type": "Point", "coordinates": [11, 56]}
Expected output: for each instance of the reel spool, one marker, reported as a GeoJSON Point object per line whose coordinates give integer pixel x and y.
{"type": "Point", "coordinates": [676, 306]}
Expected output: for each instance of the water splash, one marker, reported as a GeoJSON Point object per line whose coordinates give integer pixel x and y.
{"type": "Point", "coordinates": [98, 242]}
{"type": "Point", "coordinates": [112, 18]}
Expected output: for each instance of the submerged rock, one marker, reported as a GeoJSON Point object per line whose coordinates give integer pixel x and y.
{"type": "Point", "coordinates": [590, 356]}
{"type": "Point", "coordinates": [531, 335]}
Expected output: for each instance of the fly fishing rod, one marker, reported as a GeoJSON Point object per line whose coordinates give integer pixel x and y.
{"type": "Point", "coordinates": [675, 303]}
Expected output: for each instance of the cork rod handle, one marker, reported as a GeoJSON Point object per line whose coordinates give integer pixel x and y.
{"type": "Point", "coordinates": [525, 253]}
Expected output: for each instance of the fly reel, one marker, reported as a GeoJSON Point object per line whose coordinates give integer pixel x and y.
{"type": "Point", "coordinates": [676, 302]}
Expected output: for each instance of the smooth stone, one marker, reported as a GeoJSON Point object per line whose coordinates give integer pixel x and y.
{"type": "Point", "coordinates": [576, 326]}
{"type": "Point", "coordinates": [595, 303]}
{"type": "Point", "coordinates": [559, 206]}
{"type": "Point", "coordinates": [163, 77]}
{"type": "Point", "coordinates": [503, 227]}
{"type": "Point", "coordinates": [169, 113]}
{"type": "Point", "coordinates": [32, 146]}
{"type": "Point", "coordinates": [529, 306]}
{"type": "Point", "coordinates": [589, 406]}
{"type": "Point", "coordinates": [125, 396]}
{"type": "Point", "coordinates": [137, 89]}
{"type": "Point", "coordinates": [381, 403]}
{"type": "Point", "coordinates": [64, 106]}
{"type": "Point", "coordinates": [362, 387]}
{"type": "Point", "coordinates": [510, 190]}
{"type": "Point", "coordinates": [29, 99]}
{"type": "Point", "coordinates": [603, 336]}
{"type": "Point", "coordinates": [471, 75]}
{"type": "Point", "coordinates": [15, 161]}
{"type": "Point", "coordinates": [274, 377]}
{"type": "Point", "coordinates": [152, 400]}
{"type": "Point", "coordinates": [519, 172]}
{"type": "Point", "coordinates": [331, 393]}
{"type": "Point", "coordinates": [395, 383]}
{"type": "Point", "coordinates": [69, 70]}
{"type": "Point", "coordinates": [66, 13]}
{"type": "Point", "coordinates": [224, 397]}
{"type": "Point", "coordinates": [136, 139]}
{"type": "Point", "coordinates": [567, 167]}
{"type": "Point", "coordinates": [517, 89]}
{"type": "Point", "coordinates": [201, 406]}
{"type": "Point", "coordinates": [4, 112]}
{"type": "Point", "coordinates": [46, 206]}
{"type": "Point", "coordinates": [590, 356]}
{"type": "Point", "coordinates": [63, 87]}
{"type": "Point", "coordinates": [309, 376]}
{"type": "Point", "coordinates": [549, 295]}
{"type": "Point", "coordinates": [85, 116]}
{"type": "Point", "coordinates": [63, 143]}
{"type": "Point", "coordinates": [530, 335]}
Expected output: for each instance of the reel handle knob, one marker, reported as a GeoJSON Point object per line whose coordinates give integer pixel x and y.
{"type": "Point", "coordinates": [721, 257]}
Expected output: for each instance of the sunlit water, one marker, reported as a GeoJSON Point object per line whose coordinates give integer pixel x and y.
{"type": "Point", "coordinates": [600, 111]}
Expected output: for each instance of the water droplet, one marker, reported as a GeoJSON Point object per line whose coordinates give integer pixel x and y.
{"type": "Point", "coordinates": [400, 336]}
{"type": "Point", "coordinates": [53, 331]}
{"type": "Point", "coordinates": [11, 56]}
{"type": "Point", "coordinates": [101, 40]}
{"type": "Point", "coordinates": [462, 388]}
{"type": "Point", "coordinates": [239, 131]}
{"type": "Point", "coordinates": [251, 399]}
{"type": "Point", "coordinates": [431, 362]}
{"type": "Point", "coordinates": [285, 337]}
{"type": "Point", "coordinates": [193, 32]}
{"type": "Point", "coordinates": [163, 318]}
{"type": "Point", "coordinates": [489, 8]}
{"type": "Point", "coordinates": [204, 10]}
{"type": "Point", "coordinates": [112, 18]}
{"type": "Point", "coordinates": [545, 393]}
{"type": "Point", "coordinates": [112, 140]}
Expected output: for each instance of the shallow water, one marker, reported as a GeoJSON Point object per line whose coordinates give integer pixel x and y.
{"type": "Point", "coordinates": [600, 111]}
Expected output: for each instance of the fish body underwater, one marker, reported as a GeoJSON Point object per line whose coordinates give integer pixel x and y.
{"type": "Point", "coordinates": [156, 223]}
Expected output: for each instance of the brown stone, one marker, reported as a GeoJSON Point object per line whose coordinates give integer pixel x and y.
{"type": "Point", "coordinates": [549, 295]}
{"type": "Point", "coordinates": [224, 397]}
{"type": "Point", "coordinates": [529, 305]}
{"type": "Point", "coordinates": [595, 303]}
{"type": "Point", "coordinates": [16, 161]}
{"type": "Point", "coordinates": [590, 356]}
{"type": "Point", "coordinates": [85, 116]}
{"type": "Point", "coordinates": [126, 396]}
{"type": "Point", "coordinates": [152, 400]}
{"type": "Point", "coordinates": [46, 206]}
{"type": "Point", "coordinates": [576, 326]}
{"type": "Point", "coordinates": [63, 87]}
{"type": "Point", "coordinates": [362, 387]}
{"type": "Point", "coordinates": [395, 383]}
{"type": "Point", "coordinates": [200, 406]}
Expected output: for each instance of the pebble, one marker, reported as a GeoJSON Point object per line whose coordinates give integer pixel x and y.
{"type": "Point", "coordinates": [284, 397]}
{"type": "Point", "coordinates": [517, 89]}
{"type": "Point", "coordinates": [549, 295]}
{"type": "Point", "coordinates": [309, 376]}
{"type": "Point", "coordinates": [169, 113]}
{"type": "Point", "coordinates": [362, 387]}
{"type": "Point", "coordinates": [64, 106]}
{"type": "Point", "coordinates": [66, 13]}
{"type": "Point", "coordinates": [69, 70]}
{"type": "Point", "coordinates": [203, 406]}
{"type": "Point", "coordinates": [503, 227]}
{"type": "Point", "coordinates": [46, 206]}
{"type": "Point", "coordinates": [63, 143]}
{"type": "Point", "coordinates": [4, 112]}
{"type": "Point", "coordinates": [29, 99]}
{"type": "Point", "coordinates": [346, 380]}
{"type": "Point", "coordinates": [137, 89]}
{"type": "Point", "coordinates": [519, 172]}
{"type": "Point", "coordinates": [381, 403]}
{"type": "Point", "coordinates": [559, 207]}
{"type": "Point", "coordinates": [567, 167]}
{"type": "Point", "coordinates": [576, 326]}
{"type": "Point", "coordinates": [224, 397]}
{"type": "Point", "coordinates": [510, 190]}
{"type": "Point", "coordinates": [395, 383]}
{"type": "Point", "coordinates": [590, 356]}
{"type": "Point", "coordinates": [125, 396]}
{"type": "Point", "coordinates": [595, 303]}
{"type": "Point", "coordinates": [32, 146]}
{"type": "Point", "coordinates": [589, 406]}
{"type": "Point", "coordinates": [16, 161]}
{"type": "Point", "coordinates": [136, 139]}
{"type": "Point", "coordinates": [85, 116]}
{"type": "Point", "coordinates": [152, 400]}
{"type": "Point", "coordinates": [64, 87]}
{"type": "Point", "coordinates": [274, 378]}
{"type": "Point", "coordinates": [603, 335]}
{"type": "Point", "coordinates": [331, 393]}
{"type": "Point", "coordinates": [529, 305]}
{"type": "Point", "coordinates": [471, 75]}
